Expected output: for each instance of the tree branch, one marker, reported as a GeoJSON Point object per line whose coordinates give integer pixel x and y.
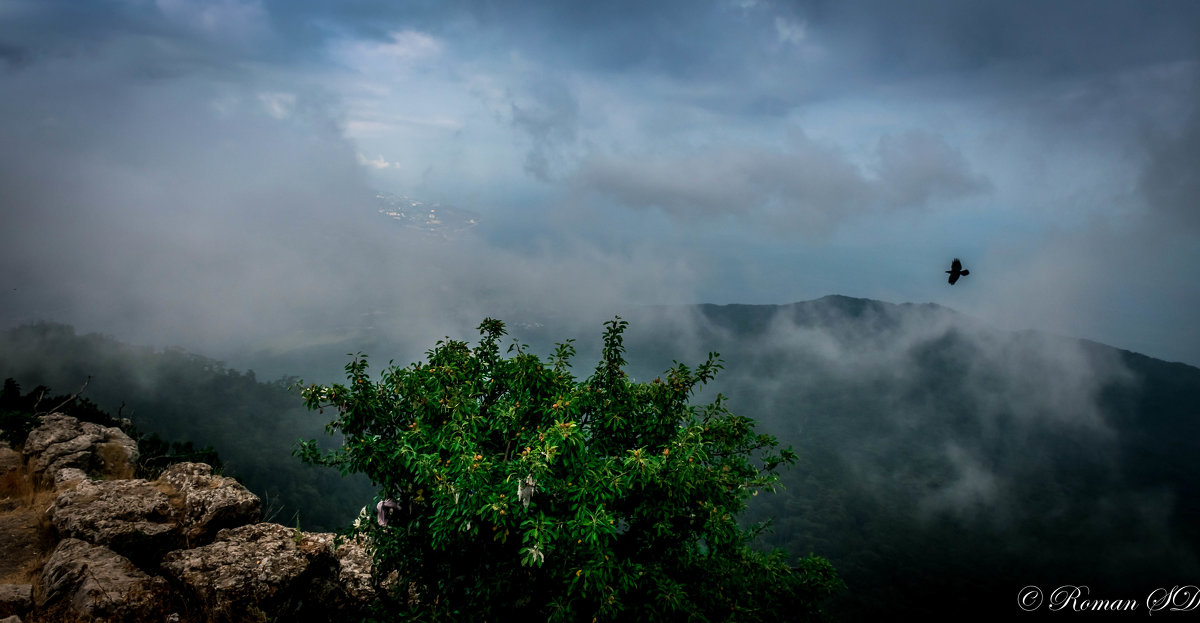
{"type": "Point", "coordinates": [64, 403]}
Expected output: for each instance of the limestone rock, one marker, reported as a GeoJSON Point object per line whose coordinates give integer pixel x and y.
{"type": "Point", "coordinates": [133, 517]}
{"type": "Point", "coordinates": [355, 580]}
{"type": "Point", "coordinates": [68, 477]}
{"type": "Point", "coordinates": [15, 599]}
{"type": "Point", "coordinates": [354, 571]}
{"type": "Point", "coordinates": [91, 583]}
{"type": "Point", "coordinates": [186, 506]}
{"type": "Point", "coordinates": [256, 569]}
{"type": "Point", "coordinates": [210, 503]}
{"type": "Point", "coordinates": [185, 547]}
{"type": "Point", "coordinates": [62, 441]}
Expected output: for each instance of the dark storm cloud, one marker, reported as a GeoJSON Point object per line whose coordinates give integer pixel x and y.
{"type": "Point", "coordinates": [167, 38]}
{"type": "Point", "coordinates": [1009, 38]}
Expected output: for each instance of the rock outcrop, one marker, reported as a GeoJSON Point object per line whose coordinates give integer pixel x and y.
{"type": "Point", "coordinates": [62, 441]}
{"type": "Point", "coordinates": [87, 582]}
{"type": "Point", "coordinates": [260, 568]}
{"type": "Point", "coordinates": [133, 517]}
{"type": "Point", "coordinates": [143, 520]}
{"type": "Point", "coordinates": [210, 503]}
{"type": "Point", "coordinates": [186, 547]}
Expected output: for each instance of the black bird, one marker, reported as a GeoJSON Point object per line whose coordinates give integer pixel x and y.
{"type": "Point", "coordinates": [956, 271]}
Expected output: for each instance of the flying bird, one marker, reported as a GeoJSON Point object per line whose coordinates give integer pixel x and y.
{"type": "Point", "coordinates": [956, 271]}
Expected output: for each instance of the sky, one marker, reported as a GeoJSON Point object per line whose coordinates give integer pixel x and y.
{"type": "Point", "coordinates": [201, 173]}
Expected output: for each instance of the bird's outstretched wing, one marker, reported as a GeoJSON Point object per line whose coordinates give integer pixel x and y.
{"type": "Point", "coordinates": [956, 271]}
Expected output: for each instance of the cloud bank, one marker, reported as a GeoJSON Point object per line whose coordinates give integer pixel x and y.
{"type": "Point", "coordinates": [198, 171]}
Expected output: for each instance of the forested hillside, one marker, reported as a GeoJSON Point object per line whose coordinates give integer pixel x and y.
{"type": "Point", "coordinates": [945, 464]}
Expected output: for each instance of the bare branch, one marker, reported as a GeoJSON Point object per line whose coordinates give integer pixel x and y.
{"type": "Point", "coordinates": [64, 403]}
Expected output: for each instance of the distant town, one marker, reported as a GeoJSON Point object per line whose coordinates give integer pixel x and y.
{"type": "Point", "coordinates": [434, 219]}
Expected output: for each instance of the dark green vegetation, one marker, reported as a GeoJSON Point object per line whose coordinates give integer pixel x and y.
{"type": "Point", "coordinates": [523, 492]}
{"type": "Point", "coordinates": [173, 394]}
{"type": "Point", "coordinates": [942, 465]}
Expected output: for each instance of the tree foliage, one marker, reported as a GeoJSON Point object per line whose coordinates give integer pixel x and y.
{"type": "Point", "coordinates": [515, 489]}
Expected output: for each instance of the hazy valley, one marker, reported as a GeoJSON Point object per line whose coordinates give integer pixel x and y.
{"type": "Point", "coordinates": [943, 463]}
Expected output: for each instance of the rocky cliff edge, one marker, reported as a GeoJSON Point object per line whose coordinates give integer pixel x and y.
{"type": "Point", "coordinates": [84, 541]}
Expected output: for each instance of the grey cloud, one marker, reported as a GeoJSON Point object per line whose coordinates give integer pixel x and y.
{"type": "Point", "coordinates": [13, 55]}
{"type": "Point", "coordinates": [806, 186]}
{"type": "Point", "coordinates": [1093, 281]}
{"type": "Point", "coordinates": [1170, 182]}
{"type": "Point", "coordinates": [548, 114]}
{"type": "Point", "coordinates": [1007, 39]}
{"type": "Point", "coordinates": [216, 209]}
{"type": "Point", "coordinates": [171, 213]}
{"type": "Point", "coordinates": [868, 41]}
{"type": "Point", "coordinates": [799, 184]}
{"type": "Point", "coordinates": [982, 409]}
{"type": "Point", "coordinates": [675, 36]}
{"type": "Point", "coordinates": [715, 43]}
{"type": "Point", "coordinates": [917, 166]}
{"type": "Point", "coordinates": [161, 38]}
{"type": "Point", "coordinates": [704, 183]}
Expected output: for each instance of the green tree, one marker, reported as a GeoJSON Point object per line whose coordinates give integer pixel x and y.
{"type": "Point", "coordinates": [512, 489]}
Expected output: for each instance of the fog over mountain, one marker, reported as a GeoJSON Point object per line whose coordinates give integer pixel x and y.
{"type": "Point", "coordinates": [203, 172]}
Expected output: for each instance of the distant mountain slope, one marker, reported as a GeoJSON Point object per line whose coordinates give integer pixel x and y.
{"type": "Point", "coordinates": [946, 464]}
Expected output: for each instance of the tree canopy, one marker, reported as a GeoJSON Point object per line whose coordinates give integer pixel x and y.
{"type": "Point", "coordinates": [508, 487]}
